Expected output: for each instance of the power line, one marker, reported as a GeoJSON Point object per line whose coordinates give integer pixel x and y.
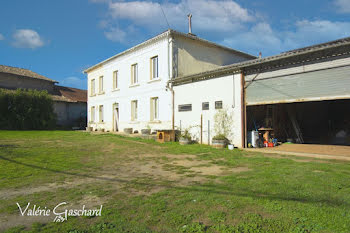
{"type": "Point", "coordinates": [164, 15]}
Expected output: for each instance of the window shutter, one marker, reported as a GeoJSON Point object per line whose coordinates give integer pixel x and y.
{"type": "Point", "coordinates": [132, 110]}
{"type": "Point", "coordinates": [152, 109]}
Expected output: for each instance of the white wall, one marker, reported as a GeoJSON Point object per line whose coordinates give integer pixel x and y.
{"type": "Point", "coordinates": [226, 89]}
{"type": "Point", "coordinates": [126, 93]}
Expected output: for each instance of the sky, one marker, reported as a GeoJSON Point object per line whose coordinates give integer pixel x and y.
{"type": "Point", "coordinates": [59, 39]}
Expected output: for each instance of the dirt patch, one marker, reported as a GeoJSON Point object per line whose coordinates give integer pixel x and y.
{"type": "Point", "coordinates": [8, 221]}
{"type": "Point", "coordinates": [328, 152]}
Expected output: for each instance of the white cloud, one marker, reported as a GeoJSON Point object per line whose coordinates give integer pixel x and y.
{"type": "Point", "coordinates": [261, 37]}
{"type": "Point", "coordinates": [209, 15]}
{"type": "Point", "coordinates": [2, 37]}
{"type": "Point", "coordinates": [223, 21]}
{"type": "Point", "coordinates": [27, 38]}
{"type": "Point", "coordinates": [343, 6]}
{"type": "Point", "coordinates": [76, 82]}
{"type": "Point", "coordinates": [116, 35]}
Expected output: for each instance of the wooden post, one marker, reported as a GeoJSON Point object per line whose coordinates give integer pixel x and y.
{"type": "Point", "coordinates": [208, 132]}
{"type": "Point", "coordinates": [201, 128]}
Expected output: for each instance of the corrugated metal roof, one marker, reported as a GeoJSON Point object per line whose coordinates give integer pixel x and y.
{"type": "Point", "coordinates": [236, 67]}
{"type": "Point", "coordinates": [23, 72]}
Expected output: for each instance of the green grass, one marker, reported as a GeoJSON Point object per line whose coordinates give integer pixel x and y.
{"type": "Point", "coordinates": [274, 195]}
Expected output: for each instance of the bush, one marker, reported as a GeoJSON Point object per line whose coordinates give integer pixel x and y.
{"type": "Point", "coordinates": [223, 122]}
{"type": "Point", "coordinates": [26, 110]}
{"type": "Point", "coordinates": [219, 137]}
{"type": "Point", "coordinates": [186, 135]}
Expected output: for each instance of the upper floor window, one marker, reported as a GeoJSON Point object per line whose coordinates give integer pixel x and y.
{"type": "Point", "coordinates": [100, 85]}
{"type": "Point", "coordinates": [154, 67]}
{"type": "Point", "coordinates": [101, 113]}
{"type": "Point", "coordinates": [134, 74]}
{"type": "Point", "coordinates": [115, 79]}
{"type": "Point", "coordinates": [134, 110]}
{"type": "Point", "coordinates": [154, 109]}
{"type": "Point", "coordinates": [92, 87]}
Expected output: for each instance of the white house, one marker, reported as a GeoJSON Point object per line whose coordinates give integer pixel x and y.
{"type": "Point", "coordinates": [131, 89]}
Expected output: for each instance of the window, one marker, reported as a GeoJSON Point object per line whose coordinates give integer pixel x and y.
{"type": "Point", "coordinates": [154, 108]}
{"type": "Point", "coordinates": [92, 114]}
{"type": "Point", "coordinates": [134, 74]}
{"type": "Point", "coordinates": [100, 81]}
{"type": "Point", "coordinates": [218, 104]}
{"type": "Point", "coordinates": [205, 106]}
{"type": "Point", "coordinates": [101, 113]}
{"type": "Point", "coordinates": [92, 90]}
{"type": "Point", "coordinates": [115, 80]}
{"type": "Point", "coordinates": [134, 110]}
{"type": "Point", "coordinates": [154, 67]}
{"type": "Point", "coordinates": [185, 107]}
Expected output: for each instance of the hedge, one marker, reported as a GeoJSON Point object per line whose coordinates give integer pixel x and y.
{"type": "Point", "coordinates": [26, 110]}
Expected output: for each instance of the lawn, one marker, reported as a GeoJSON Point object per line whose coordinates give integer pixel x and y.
{"type": "Point", "coordinates": [149, 187]}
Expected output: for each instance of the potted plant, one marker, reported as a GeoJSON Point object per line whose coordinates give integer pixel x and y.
{"type": "Point", "coordinates": [128, 130]}
{"type": "Point", "coordinates": [219, 141]}
{"type": "Point", "coordinates": [223, 122]}
{"type": "Point", "coordinates": [146, 131]}
{"type": "Point", "coordinates": [185, 137]}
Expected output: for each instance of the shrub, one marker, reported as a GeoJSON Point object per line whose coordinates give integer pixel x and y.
{"type": "Point", "coordinates": [26, 109]}
{"type": "Point", "coordinates": [219, 137]}
{"type": "Point", "coordinates": [186, 135]}
{"type": "Point", "coordinates": [223, 122]}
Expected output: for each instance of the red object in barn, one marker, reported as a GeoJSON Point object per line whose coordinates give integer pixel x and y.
{"type": "Point", "coordinates": [271, 144]}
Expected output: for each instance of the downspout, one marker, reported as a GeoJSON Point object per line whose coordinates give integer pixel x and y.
{"type": "Point", "coordinates": [170, 87]}
{"type": "Point", "coordinates": [243, 110]}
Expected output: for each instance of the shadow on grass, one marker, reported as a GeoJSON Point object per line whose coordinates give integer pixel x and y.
{"type": "Point", "coordinates": [216, 189]}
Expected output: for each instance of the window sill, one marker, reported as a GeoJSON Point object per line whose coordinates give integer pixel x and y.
{"type": "Point", "coordinates": [155, 122]}
{"type": "Point", "coordinates": [134, 85]}
{"type": "Point", "coordinates": [101, 93]}
{"type": "Point", "coordinates": [114, 90]}
{"type": "Point", "coordinates": [93, 95]}
{"type": "Point", "coordinates": [134, 122]}
{"type": "Point", "coordinates": [154, 80]}
{"type": "Point", "coordinates": [101, 122]}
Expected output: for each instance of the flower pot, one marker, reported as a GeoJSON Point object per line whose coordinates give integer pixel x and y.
{"type": "Point", "coordinates": [184, 141]}
{"type": "Point", "coordinates": [146, 131]}
{"type": "Point", "coordinates": [128, 130]}
{"type": "Point", "coordinates": [218, 143]}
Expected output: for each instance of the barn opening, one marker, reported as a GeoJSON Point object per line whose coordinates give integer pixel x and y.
{"type": "Point", "coordinates": [315, 122]}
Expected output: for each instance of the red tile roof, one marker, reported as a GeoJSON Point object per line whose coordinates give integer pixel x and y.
{"type": "Point", "coordinates": [69, 94]}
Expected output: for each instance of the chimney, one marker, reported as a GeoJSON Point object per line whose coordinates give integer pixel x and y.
{"type": "Point", "coordinates": [189, 23]}
{"type": "Point", "coordinates": [260, 55]}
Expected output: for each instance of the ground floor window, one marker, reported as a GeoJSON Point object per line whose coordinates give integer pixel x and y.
{"type": "Point", "coordinates": [154, 108]}
{"type": "Point", "coordinates": [218, 104]}
{"type": "Point", "coordinates": [134, 110]}
{"type": "Point", "coordinates": [185, 107]}
{"type": "Point", "coordinates": [205, 106]}
{"type": "Point", "coordinates": [101, 113]}
{"type": "Point", "coordinates": [92, 114]}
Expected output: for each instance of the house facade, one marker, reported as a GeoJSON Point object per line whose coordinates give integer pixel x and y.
{"type": "Point", "coordinates": [131, 89]}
